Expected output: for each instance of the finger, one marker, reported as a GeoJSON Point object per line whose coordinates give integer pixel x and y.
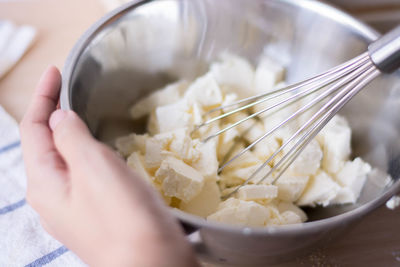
{"type": "Point", "coordinates": [45, 97]}
{"type": "Point", "coordinates": [40, 154]}
{"type": "Point", "coordinates": [72, 137]}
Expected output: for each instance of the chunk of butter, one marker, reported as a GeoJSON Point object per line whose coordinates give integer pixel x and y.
{"type": "Point", "coordinates": [126, 145]}
{"type": "Point", "coordinates": [308, 161]}
{"type": "Point", "coordinates": [288, 206]}
{"type": "Point", "coordinates": [179, 179]}
{"type": "Point", "coordinates": [167, 95]}
{"type": "Point", "coordinates": [335, 140]}
{"type": "Point", "coordinates": [205, 91]}
{"type": "Point", "coordinates": [135, 162]}
{"type": "Point", "coordinates": [321, 190]}
{"type": "Point", "coordinates": [268, 74]}
{"type": "Point", "coordinates": [352, 179]}
{"type": "Point", "coordinates": [241, 213]}
{"type": "Point", "coordinates": [257, 192]}
{"type": "Point", "coordinates": [290, 187]}
{"type": "Point", "coordinates": [235, 72]}
{"type": "Point", "coordinates": [173, 116]}
{"type": "Point", "coordinates": [206, 202]}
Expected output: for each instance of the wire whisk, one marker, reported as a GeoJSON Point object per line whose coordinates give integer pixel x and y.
{"type": "Point", "coordinates": [331, 89]}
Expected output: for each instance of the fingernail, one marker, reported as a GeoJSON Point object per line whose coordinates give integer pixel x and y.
{"type": "Point", "coordinates": [56, 118]}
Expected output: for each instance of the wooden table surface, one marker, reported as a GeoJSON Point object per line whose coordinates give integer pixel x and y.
{"type": "Point", "coordinates": [373, 242]}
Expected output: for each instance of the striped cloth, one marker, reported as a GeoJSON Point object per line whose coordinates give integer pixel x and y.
{"type": "Point", "coordinates": [23, 242]}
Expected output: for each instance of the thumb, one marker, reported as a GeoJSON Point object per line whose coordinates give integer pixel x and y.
{"type": "Point", "coordinates": [72, 137]}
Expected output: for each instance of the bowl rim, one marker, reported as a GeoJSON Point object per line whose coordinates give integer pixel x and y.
{"type": "Point", "coordinates": [324, 9]}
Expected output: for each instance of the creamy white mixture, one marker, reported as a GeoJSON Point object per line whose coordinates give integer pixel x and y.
{"type": "Point", "coordinates": [184, 169]}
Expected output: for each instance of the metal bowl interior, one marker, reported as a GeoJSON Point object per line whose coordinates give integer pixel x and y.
{"type": "Point", "coordinates": [143, 46]}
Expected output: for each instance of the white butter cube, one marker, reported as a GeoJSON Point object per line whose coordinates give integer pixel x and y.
{"type": "Point", "coordinates": [229, 136]}
{"type": "Point", "coordinates": [266, 148]}
{"type": "Point", "coordinates": [226, 190]}
{"type": "Point", "coordinates": [136, 162]}
{"type": "Point", "coordinates": [290, 187]}
{"type": "Point", "coordinates": [227, 142]}
{"type": "Point", "coordinates": [228, 184]}
{"type": "Point", "coordinates": [235, 72]}
{"type": "Point", "coordinates": [168, 95]}
{"type": "Point", "coordinates": [254, 132]}
{"type": "Point", "coordinates": [321, 190]}
{"type": "Point", "coordinates": [249, 129]}
{"type": "Point", "coordinates": [275, 217]}
{"type": "Point", "coordinates": [344, 196]}
{"type": "Point", "coordinates": [179, 179]}
{"type": "Point", "coordinates": [168, 200]}
{"type": "Point", "coordinates": [197, 114]}
{"type": "Point", "coordinates": [290, 217]}
{"type": "Point", "coordinates": [126, 145]}
{"type": "Point", "coordinates": [245, 160]}
{"type": "Point", "coordinates": [205, 91]}
{"type": "Point", "coordinates": [288, 206]}
{"type": "Point", "coordinates": [153, 153]}
{"type": "Point", "coordinates": [173, 116]}
{"type": "Point", "coordinates": [277, 114]}
{"type": "Point", "coordinates": [206, 202]}
{"type": "Point", "coordinates": [152, 124]}
{"type": "Point", "coordinates": [246, 172]}
{"type": "Point", "coordinates": [183, 146]}
{"type": "Point", "coordinates": [229, 98]}
{"type": "Point", "coordinates": [335, 140]}
{"type": "Point", "coordinates": [154, 149]}
{"type": "Point", "coordinates": [241, 213]}
{"type": "Point", "coordinates": [308, 161]}
{"type": "Point", "coordinates": [166, 138]}
{"type": "Point", "coordinates": [353, 173]}
{"type": "Point", "coordinates": [337, 122]}
{"type": "Point", "coordinates": [352, 178]}
{"type": "Point", "coordinates": [207, 163]}
{"type": "Point", "coordinates": [257, 192]}
{"type": "Point", "coordinates": [268, 73]}
{"type": "Point", "coordinates": [204, 131]}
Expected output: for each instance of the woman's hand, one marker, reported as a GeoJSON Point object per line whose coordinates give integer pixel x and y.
{"type": "Point", "coordinates": [87, 197]}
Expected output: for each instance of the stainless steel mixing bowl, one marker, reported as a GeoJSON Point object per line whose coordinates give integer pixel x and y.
{"type": "Point", "coordinates": [144, 45]}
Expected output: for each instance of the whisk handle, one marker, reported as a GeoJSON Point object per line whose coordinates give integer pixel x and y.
{"type": "Point", "coordinates": [385, 52]}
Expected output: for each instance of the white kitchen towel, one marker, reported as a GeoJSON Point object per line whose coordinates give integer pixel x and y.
{"type": "Point", "coordinates": [23, 242]}
{"type": "Point", "coordinates": [14, 42]}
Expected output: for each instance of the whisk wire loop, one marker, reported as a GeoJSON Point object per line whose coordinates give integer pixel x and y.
{"type": "Point", "coordinates": [303, 109]}
{"type": "Point", "coordinates": [350, 92]}
{"type": "Point", "coordinates": [295, 86]}
{"type": "Point", "coordinates": [336, 103]}
{"type": "Point", "coordinates": [338, 86]}
{"type": "Point", "coordinates": [307, 88]}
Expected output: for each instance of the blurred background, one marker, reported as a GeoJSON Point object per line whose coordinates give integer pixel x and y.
{"type": "Point", "coordinates": [380, 14]}
{"type": "Point", "coordinates": [59, 23]}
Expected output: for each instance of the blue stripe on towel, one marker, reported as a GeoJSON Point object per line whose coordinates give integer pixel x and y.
{"type": "Point", "coordinates": [9, 147]}
{"type": "Point", "coordinates": [48, 258]}
{"type": "Point", "coordinates": [12, 207]}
